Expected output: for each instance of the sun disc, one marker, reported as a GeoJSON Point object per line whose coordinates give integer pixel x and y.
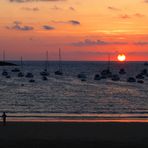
{"type": "Point", "coordinates": [121, 57]}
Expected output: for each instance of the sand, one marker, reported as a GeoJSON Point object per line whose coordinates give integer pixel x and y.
{"type": "Point", "coordinates": [73, 134]}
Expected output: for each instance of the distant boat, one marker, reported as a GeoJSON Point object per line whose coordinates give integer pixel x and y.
{"type": "Point", "coordinates": [4, 72]}
{"type": "Point", "coordinates": [140, 81]}
{"type": "Point", "coordinates": [97, 77]}
{"type": "Point", "coordinates": [32, 81]}
{"type": "Point", "coordinates": [131, 79]}
{"type": "Point", "coordinates": [82, 75]}
{"type": "Point", "coordinates": [29, 75]}
{"type": "Point", "coordinates": [45, 71]}
{"type": "Point", "coordinates": [59, 71]}
{"type": "Point", "coordinates": [44, 78]}
{"type": "Point", "coordinates": [106, 73]}
{"type": "Point", "coordinates": [139, 76]}
{"type": "Point", "coordinates": [15, 70]}
{"type": "Point", "coordinates": [122, 71]}
{"type": "Point", "coordinates": [115, 77]}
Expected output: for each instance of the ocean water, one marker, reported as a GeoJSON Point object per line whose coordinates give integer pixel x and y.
{"type": "Point", "coordinates": [67, 97]}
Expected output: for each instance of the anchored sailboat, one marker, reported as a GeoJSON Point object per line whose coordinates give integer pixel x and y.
{"type": "Point", "coordinates": [59, 71]}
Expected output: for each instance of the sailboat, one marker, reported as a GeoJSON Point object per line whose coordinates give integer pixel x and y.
{"type": "Point", "coordinates": [4, 72]}
{"type": "Point", "coordinates": [106, 73]}
{"type": "Point", "coordinates": [45, 72]}
{"type": "Point", "coordinates": [59, 72]}
{"type": "Point", "coordinates": [21, 74]}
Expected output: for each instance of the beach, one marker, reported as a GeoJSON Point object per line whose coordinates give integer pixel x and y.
{"type": "Point", "coordinates": [73, 134]}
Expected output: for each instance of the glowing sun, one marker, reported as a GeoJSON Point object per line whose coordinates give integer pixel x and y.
{"type": "Point", "coordinates": [121, 57]}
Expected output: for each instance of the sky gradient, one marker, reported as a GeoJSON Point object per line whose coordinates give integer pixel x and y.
{"type": "Point", "coordinates": [84, 30]}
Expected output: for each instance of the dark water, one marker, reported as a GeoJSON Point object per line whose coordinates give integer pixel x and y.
{"type": "Point", "coordinates": [67, 97]}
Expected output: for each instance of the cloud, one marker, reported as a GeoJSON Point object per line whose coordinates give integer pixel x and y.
{"type": "Point", "coordinates": [17, 25]}
{"type": "Point", "coordinates": [31, 9]}
{"type": "Point", "coordinates": [72, 9]}
{"type": "Point", "coordinates": [139, 15]}
{"type": "Point", "coordinates": [74, 22]}
{"type": "Point", "coordinates": [125, 16]}
{"type": "Point", "coordinates": [24, 1]}
{"type": "Point", "coordinates": [113, 8]}
{"type": "Point", "coordinates": [141, 43]}
{"type": "Point", "coordinates": [46, 27]}
{"type": "Point", "coordinates": [89, 42]}
{"type": "Point", "coordinates": [71, 22]}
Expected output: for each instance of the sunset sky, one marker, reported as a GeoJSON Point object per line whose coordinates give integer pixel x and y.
{"type": "Point", "coordinates": [83, 29]}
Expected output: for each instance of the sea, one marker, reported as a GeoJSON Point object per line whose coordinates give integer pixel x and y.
{"type": "Point", "coordinates": [68, 98]}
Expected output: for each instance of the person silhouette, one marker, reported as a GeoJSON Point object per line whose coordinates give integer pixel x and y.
{"type": "Point", "coordinates": [4, 118]}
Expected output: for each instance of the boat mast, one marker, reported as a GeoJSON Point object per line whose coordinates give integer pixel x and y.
{"type": "Point", "coordinates": [108, 62]}
{"type": "Point", "coordinates": [46, 62]}
{"type": "Point", "coordinates": [60, 59]}
{"type": "Point", "coordinates": [21, 63]}
{"type": "Point", "coordinates": [3, 55]}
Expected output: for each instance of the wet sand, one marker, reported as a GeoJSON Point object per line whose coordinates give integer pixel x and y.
{"type": "Point", "coordinates": [73, 134]}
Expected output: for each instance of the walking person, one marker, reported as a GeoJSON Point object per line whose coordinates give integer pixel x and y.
{"type": "Point", "coordinates": [4, 118]}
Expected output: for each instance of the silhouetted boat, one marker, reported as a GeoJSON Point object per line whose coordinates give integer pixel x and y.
{"type": "Point", "coordinates": [122, 71]}
{"type": "Point", "coordinates": [82, 75]}
{"type": "Point", "coordinates": [44, 78]}
{"type": "Point", "coordinates": [21, 74]}
{"type": "Point", "coordinates": [8, 76]}
{"type": "Point", "coordinates": [97, 77]}
{"type": "Point", "coordinates": [106, 73]}
{"type": "Point", "coordinates": [131, 79]}
{"type": "Point", "coordinates": [59, 71]}
{"type": "Point", "coordinates": [144, 72]}
{"type": "Point", "coordinates": [4, 72]}
{"type": "Point", "coordinates": [15, 70]}
{"type": "Point", "coordinates": [32, 81]}
{"type": "Point", "coordinates": [115, 77]}
{"type": "Point", "coordinates": [140, 81]}
{"type": "Point", "coordinates": [139, 76]}
{"type": "Point", "coordinates": [29, 75]}
{"type": "Point", "coordinates": [45, 71]}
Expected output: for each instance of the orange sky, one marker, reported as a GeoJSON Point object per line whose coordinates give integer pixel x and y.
{"type": "Point", "coordinates": [84, 30]}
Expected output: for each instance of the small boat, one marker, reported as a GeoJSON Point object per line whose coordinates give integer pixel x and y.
{"type": "Point", "coordinates": [122, 71]}
{"type": "Point", "coordinates": [140, 81]}
{"type": "Point", "coordinates": [32, 81]}
{"type": "Point", "coordinates": [44, 78]}
{"type": "Point", "coordinates": [4, 73]}
{"type": "Point", "coordinates": [115, 78]}
{"type": "Point", "coordinates": [82, 76]}
{"type": "Point", "coordinates": [29, 75]}
{"type": "Point", "coordinates": [139, 76]}
{"type": "Point", "coordinates": [144, 72]}
{"type": "Point", "coordinates": [15, 70]}
{"type": "Point", "coordinates": [131, 79]}
{"type": "Point", "coordinates": [45, 71]}
{"type": "Point", "coordinates": [8, 76]}
{"type": "Point", "coordinates": [97, 77]}
{"type": "Point", "coordinates": [20, 74]}
{"type": "Point", "coordinates": [106, 73]}
{"type": "Point", "coordinates": [59, 71]}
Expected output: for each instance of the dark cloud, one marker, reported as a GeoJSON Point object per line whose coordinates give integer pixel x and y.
{"type": "Point", "coordinates": [89, 42]}
{"type": "Point", "coordinates": [74, 22]}
{"type": "Point", "coordinates": [146, 1]}
{"type": "Point", "coordinates": [71, 22]}
{"type": "Point", "coordinates": [31, 9]}
{"type": "Point", "coordinates": [46, 27]}
{"type": "Point", "coordinates": [17, 25]}
{"type": "Point", "coordinates": [23, 1]}
{"type": "Point", "coordinates": [125, 16]}
{"type": "Point", "coordinates": [113, 8]}
{"type": "Point", "coordinates": [139, 15]}
{"type": "Point", "coordinates": [72, 9]}
{"type": "Point", "coordinates": [141, 43]}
